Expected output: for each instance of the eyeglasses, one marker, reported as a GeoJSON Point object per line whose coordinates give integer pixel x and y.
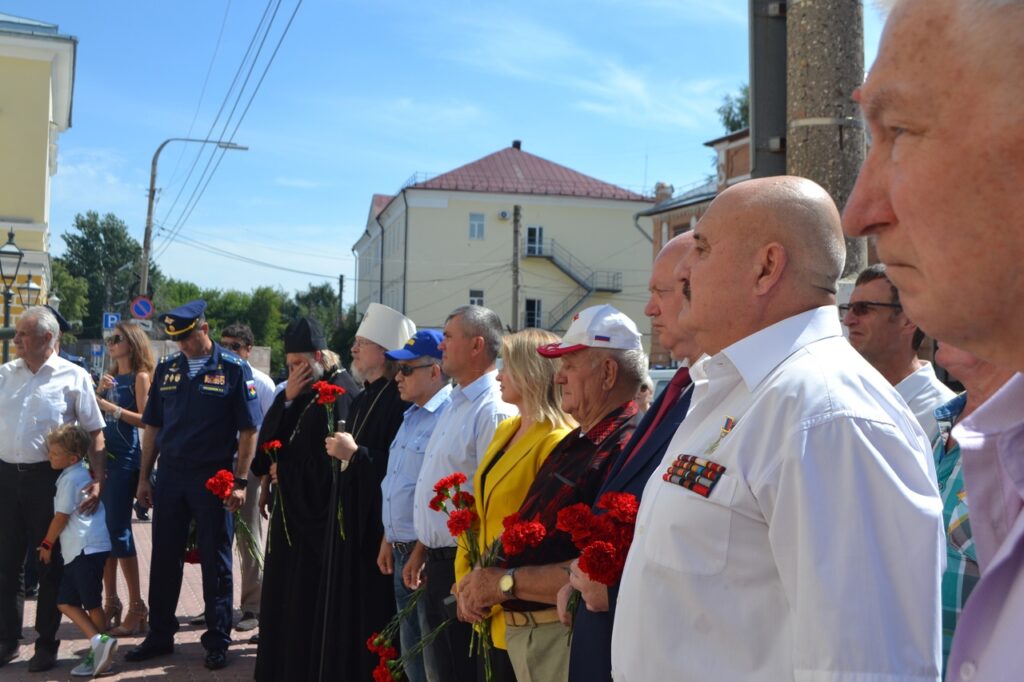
{"type": "Point", "coordinates": [234, 346]}
{"type": "Point", "coordinates": [861, 308]}
{"type": "Point", "coordinates": [407, 370]}
{"type": "Point", "coordinates": [114, 340]}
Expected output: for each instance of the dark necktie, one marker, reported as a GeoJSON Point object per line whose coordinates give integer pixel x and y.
{"type": "Point", "coordinates": [675, 389]}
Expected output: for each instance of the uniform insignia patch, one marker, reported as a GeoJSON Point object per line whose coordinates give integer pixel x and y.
{"type": "Point", "coordinates": [250, 389]}
{"type": "Point", "coordinates": [694, 473]}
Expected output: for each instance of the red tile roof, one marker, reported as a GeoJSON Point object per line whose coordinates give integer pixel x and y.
{"type": "Point", "coordinates": [380, 202]}
{"type": "Point", "coordinates": [513, 171]}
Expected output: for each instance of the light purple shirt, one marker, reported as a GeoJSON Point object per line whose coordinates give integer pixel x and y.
{"type": "Point", "coordinates": [987, 642]}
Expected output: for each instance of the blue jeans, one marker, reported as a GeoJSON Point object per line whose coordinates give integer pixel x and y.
{"type": "Point", "coordinates": [413, 627]}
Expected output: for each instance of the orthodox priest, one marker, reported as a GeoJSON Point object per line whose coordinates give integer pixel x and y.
{"type": "Point", "coordinates": [303, 517]}
{"type": "Point", "coordinates": [361, 599]}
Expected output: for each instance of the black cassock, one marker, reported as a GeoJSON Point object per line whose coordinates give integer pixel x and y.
{"type": "Point", "coordinates": [303, 605]}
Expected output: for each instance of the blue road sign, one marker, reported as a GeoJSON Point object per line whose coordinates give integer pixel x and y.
{"type": "Point", "coordinates": [142, 308]}
{"type": "Point", "coordinates": [110, 320]}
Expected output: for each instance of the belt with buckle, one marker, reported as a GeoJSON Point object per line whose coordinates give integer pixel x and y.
{"type": "Point", "coordinates": [26, 466]}
{"type": "Point", "coordinates": [404, 547]}
{"type": "Point", "coordinates": [441, 554]}
{"type": "Point", "coordinates": [524, 618]}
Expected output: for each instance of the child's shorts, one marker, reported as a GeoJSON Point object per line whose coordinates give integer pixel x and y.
{"type": "Point", "coordinates": [82, 584]}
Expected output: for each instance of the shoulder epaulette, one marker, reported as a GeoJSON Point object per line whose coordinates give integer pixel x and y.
{"type": "Point", "coordinates": [228, 356]}
{"type": "Point", "coordinates": [170, 358]}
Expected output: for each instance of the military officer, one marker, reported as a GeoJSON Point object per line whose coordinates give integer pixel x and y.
{"type": "Point", "coordinates": [201, 399]}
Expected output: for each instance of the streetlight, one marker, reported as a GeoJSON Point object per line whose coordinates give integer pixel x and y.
{"type": "Point", "coordinates": [29, 293]}
{"type": "Point", "coordinates": [148, 235]}
{"type": "Point", "coordinates": [53, 300]}
{"type": "Point", "coordinates": [10, 263]}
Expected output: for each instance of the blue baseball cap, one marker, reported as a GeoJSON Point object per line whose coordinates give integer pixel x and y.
{"type": "Point", "coordinates": [183, 319]}
{"type": "Point", "coordinates": [423, 343]}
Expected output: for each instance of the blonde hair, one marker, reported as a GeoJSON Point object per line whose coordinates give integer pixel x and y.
{"type": "Point", "coordinates": [138, 344]}
{"type": "Point", "coordinates": [72, 438]}
{"type": "Point", "coordinates": [534, 375]}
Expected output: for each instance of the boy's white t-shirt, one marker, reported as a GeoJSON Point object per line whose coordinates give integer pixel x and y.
{"type": "Point", "coordinates": [84, 533]}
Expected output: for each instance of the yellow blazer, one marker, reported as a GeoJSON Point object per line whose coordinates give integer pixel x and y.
{"type": "Point", "coordinates": [507, 484]}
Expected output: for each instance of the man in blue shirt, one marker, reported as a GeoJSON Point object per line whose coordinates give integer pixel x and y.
{"type": "Point", "coordinates": [422, 382]}
{"type": "Point", "coordinates": [203, 402]}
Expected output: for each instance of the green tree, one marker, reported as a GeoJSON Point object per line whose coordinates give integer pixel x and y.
{"type": "Point", "coordinates": [340, 340]}
{"type": "Point", "coordinates": [267, 322]}
{"type": "Point", "coordinates": [735, 110]}
{"type": "Point", "coordinates": [73, 292]}
{"type": "Point", "coordinates": [102, 252]}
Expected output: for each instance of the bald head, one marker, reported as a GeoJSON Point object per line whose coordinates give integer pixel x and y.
{"type": "Point", "coordinates": [765, 250]}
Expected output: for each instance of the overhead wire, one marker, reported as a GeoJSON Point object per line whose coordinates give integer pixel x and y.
{"type": "Point", "coordinates": [245, 111]}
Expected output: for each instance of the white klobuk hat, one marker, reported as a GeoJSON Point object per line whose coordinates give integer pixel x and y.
{"type": "Point", "coordinates": [386, 326]}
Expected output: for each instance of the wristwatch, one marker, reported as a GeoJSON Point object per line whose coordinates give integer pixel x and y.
{"type": "Point", "coordinates": [507, 583]}
{"type": "Point", "coordinates": [117, 413]}
{"type": "Point", "coordinates": [241, 483]}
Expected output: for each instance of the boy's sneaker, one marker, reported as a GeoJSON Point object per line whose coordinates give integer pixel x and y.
{"type": "Point", "coordinates": [103, 654]}
{"type": "Point", "coordinates": [86, 668]}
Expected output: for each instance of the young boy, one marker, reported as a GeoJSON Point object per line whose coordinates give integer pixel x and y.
{"type": "Point", "coordinates": [84, 544]}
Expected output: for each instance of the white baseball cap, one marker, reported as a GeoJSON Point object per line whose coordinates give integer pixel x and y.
{"type": "Point", "coordinates": [599, 326]}
{"type": "Point", "coordinates": [386, 326]}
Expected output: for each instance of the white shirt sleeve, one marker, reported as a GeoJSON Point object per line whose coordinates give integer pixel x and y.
{"type": "Point", "coordinates": [859, 562]}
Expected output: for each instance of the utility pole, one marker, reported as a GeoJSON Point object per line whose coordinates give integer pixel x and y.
{"type": "Point", "coordinates": [825, 63]}
{"type": "Point", "coordinates": [147, 237]}
{"type": "Point", "coordinates": [341, 298]}
{"type": "Point", "coordinates": [516, 213]}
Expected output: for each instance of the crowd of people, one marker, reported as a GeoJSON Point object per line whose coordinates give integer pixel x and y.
{"type": "Point", "coordinates": [800, 504]}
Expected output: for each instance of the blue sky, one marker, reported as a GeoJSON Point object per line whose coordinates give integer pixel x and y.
{"type": "Point", "coordinates": [360, 96]}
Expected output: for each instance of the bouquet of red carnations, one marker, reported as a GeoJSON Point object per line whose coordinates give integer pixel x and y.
{"type": "Point", "coordinates": [603, 539]}
{"type": "Point", "coordinates": [221, 484]}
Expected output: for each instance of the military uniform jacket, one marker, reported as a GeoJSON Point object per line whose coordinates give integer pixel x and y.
{"type": "Point", "coordinates": [199, 418]}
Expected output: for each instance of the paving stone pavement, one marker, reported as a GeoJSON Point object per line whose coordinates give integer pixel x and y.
{"type": "Point", "coordinates": [185, 664]}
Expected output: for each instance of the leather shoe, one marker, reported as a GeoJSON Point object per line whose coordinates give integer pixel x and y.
{"type": "Point", "coordinates": [43, 659]}
{"type": "Point", "coordinates": [8, 652]}
{"type": "Point", "coordinates": [147, 650]}
{"type": "Point", "coordinates": [216, 659]}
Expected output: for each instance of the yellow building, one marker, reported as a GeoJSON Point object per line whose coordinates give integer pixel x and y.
{"type": "Point", "coordinates": [37, 76]}
{"type": "Point", "coordinates": [448, 241]}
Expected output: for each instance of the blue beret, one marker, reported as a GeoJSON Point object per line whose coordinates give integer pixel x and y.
{"type": "Point", "coordinates": [423, 343]}
{"type": "Point", "coordinates": [183, 319]}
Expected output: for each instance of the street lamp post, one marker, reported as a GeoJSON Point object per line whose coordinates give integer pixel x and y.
{"type": "Point", "coordinates": [10, 263]}
{"type": "Point", "coordinates": [29, 293]}
{"type": "Point", "coordinates": [147, 238]}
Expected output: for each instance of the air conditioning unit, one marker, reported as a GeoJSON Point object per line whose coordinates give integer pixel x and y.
{"type": "Point", "coordinates": [504, 215]}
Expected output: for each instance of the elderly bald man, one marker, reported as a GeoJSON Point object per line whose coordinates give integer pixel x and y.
{"type": "Point", "coordinates": [793, 529]}
{"type": "Point", "coordinates": [939, 194]}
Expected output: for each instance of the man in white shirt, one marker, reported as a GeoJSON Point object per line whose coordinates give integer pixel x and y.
{"type": "Point", "coordinates": [472, 339]}
{"type": "Point", "coordinates": [39, 391]}
{"type": "Point", "coordinates": [239, 339]}
{"type": "Point", "coordinates": [793, 530]}
{"type": "Point", "coordinates": [886, 337]}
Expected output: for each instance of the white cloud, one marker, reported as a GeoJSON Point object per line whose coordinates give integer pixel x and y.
{"type": "Point", "coordinates": [95, 176]}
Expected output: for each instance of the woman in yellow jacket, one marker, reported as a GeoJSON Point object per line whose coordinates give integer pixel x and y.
{"type": "Point", "coordinates": [520, 446]}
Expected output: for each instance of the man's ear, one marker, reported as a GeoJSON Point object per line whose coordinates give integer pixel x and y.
{"type": "Point", "coordinates": [770, 263]}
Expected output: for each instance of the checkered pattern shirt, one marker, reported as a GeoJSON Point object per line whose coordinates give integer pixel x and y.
{"type": "Point", "coordinates": [961, 572]}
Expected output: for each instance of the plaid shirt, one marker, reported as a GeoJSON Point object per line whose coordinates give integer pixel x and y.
{"type": "Point", "coordinates": [572, 473]}
{"type": "Point", "coordinates": [962, 572]}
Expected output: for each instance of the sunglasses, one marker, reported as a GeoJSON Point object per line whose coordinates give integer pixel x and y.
{"type": "Point", "coordinates": [407, 370]}
{"type": "Point", "coordinates": [114, 340]}
{"type": "Point", "coordinates": [861, 308]}
{"type": "Point", "coordinates": [234, 346]}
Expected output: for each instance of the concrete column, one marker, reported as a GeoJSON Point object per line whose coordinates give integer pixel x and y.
{"type": "Point", "coordinates": [825, 136]}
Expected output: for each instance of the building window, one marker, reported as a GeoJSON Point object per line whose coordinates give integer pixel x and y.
{"type": "Point", "coordinates": [476, 296]}
{"type": "Point", "coordinates": [534, 240]}
{"type": "Point", "coordinates": [476, 225]}
{"type": "Point", "coordinates": [533, 313]}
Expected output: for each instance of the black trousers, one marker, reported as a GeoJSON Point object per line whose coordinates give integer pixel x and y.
{"type": "Point", "coordinates": [26, 509]}
{"type": "Point", "coordinates": [451, 648]}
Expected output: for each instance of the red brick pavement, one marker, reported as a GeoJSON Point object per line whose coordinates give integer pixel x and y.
{"type": "Point", "coordinates": [185, 664]}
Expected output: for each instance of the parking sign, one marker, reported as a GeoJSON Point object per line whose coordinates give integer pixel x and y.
{"type": "Point", "coordinates": [110, 320]}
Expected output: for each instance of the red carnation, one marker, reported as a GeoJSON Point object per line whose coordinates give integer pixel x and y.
{"type": "Point", "coordinates": [327, 392]}
{"type": "Point", "coordinates": [375, 643]}
{"type": "Point", "coordinates": [388, 653]}
{"type": "Point", "coordinates": [519, 535]}
{"type": "Point", "coordinates": [460, 521]}
{"type": "Point", "coordinates": [450, 481]}
{"type": "Point", "coordinates": [382, 673]}
{"type": "Point", "coordinates": [271, 446]}
{"type": "Point", "coordinates": [221, 484]}
{"type": "Point", "coordinates": [600, 561]}
{"type": "Point", "coordinates": [620, 506]}
{"type": "Point", "coordinates": [437, 502]}
{"type": "Point", "coordinates": [577, 520]}
{"type": "Point", "coordinates": [463, 500]}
